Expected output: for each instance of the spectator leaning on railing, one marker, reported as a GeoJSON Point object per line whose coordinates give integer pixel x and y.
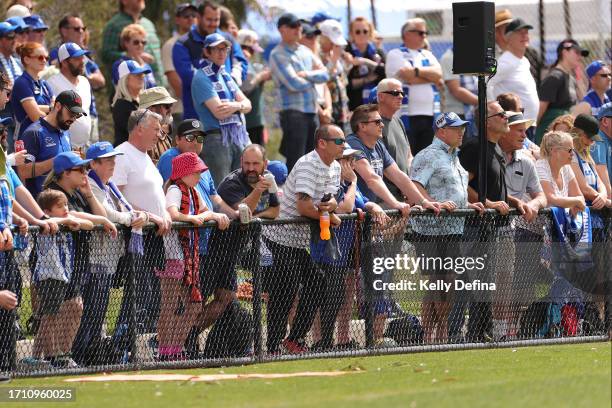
{"type": "Point", "coordinates": [602, 149]}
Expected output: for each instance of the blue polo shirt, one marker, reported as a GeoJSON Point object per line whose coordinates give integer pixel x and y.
{"type": "Point", "coordinates": [602, 152]}
{"type": "Point", "coordinates": [378, 157]}
{"type": "Point", "coordinates": [13, 179]}
{"type": "Point", "coordinates": [201, 91]}
{"type": "Point", "coordinates": [26, 87]}
{"type": "Point", "coordinates": [44, 142]}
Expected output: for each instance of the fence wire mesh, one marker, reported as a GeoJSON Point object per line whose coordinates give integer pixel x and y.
{"type": "Point", "coordinates": [274, 290]}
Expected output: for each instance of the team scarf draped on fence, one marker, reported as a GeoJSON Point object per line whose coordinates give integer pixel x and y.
{"type": "Point", "coordinates": [189, 240]}
{"type": "Point", "coordinates": [232, 128]}
{"type": "Point", "coordinates": [136, 245]}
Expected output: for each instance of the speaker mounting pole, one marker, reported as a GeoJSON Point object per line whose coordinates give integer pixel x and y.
{"type": "Point", "coordinates": [482, 135]}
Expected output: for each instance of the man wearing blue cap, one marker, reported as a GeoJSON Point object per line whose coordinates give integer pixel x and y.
{"type": "Point", "coordinates": [187, 53]}
{"type": "Point", "coordinates": [21, 33]}
{"type": "Point", "coordinates": [439, 176]}
{"type": "Point", "coordinates": [38, 28]}
{"type": "Point", "coordinates": [296, 70]}
{"type": "Point", "coordinates": [599, 82]}
{"type": "Point", "coordinates": [220, 105]}
{"type": "Point", "coordinates": [71, 59]}
{"type": "Point", "coordinates": [602, 149]}
{"type": "Point", "coordinates": [12, 67]}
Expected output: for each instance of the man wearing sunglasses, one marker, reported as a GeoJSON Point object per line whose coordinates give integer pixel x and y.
{"type": "Point", "coordinates": [48, 137]}
{"type": "Point", "coordinates": [599, 81]}
{"type": "Point", "coordinates": [419, 71]}
{"type": "Point", "coordinates": [71, 59]}
{"type": "Point", "coordinates": [12, 67]}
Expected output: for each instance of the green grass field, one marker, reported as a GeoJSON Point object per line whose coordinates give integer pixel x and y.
{"type": "Point", "coordinates": [576, 375]}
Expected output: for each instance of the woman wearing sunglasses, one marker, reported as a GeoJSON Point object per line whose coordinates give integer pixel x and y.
{"type": "Point", "coordinates": [126, 99]}
{"type": "Point", "coordinates": [32, 97]}
{"type": "Point", "coordinates": [133, 41]}
{"type": "Point", "coordinates": [368, 62]}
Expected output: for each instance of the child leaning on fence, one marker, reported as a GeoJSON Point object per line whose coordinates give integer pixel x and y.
{"type": "Point", "coordinates": [180, 280]}
{"type": "Point", "coordinates": [51, 277]}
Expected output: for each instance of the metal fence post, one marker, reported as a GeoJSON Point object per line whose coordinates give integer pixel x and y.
{"type": "Point", "coordinates": [256, 228]}
{"type": "Point", "coordinates": [368, 280]}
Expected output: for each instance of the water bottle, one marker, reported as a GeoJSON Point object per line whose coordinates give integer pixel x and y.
{"type": "Point", "coordinates": [324, 224]}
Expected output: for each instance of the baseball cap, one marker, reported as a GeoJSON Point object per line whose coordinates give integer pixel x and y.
{"type": "Point", "coordinates": [589, 125]}
{"type": "Point", "coordinates": [450, 119]}
{"type": "Point", "coordinates": [131, 67]}
{"type": "Point", "coordinates": [502, 17]}
{"type": "Point", "coordinates": [249, 38]}
{"type": "Point", "coordinates": [17, 10]}
{"type": "Point", "coordinates": [35, 22]}
{"type": "Point", "coordinates": [214, 39]}
{"type": "Point", "coordinates": [349, 151]}
{"type": "Point", "coordinates": [605, 111]}
{"type": "Point", "coordinates": [158, 95]}
{"type": "Point", "coordinates": [70, 50]}
{"type": "Point", "coordinates": [101, 150]}
{"type": "Point", "coordinates": [594, 67]}
{"type": "Point", "coordinates": [66, 161]}
{"type": "Point", "coordinates": [570, 43]}
{"type": "Point", "coordinates": [322, 16]}
{"type": "Point", "coordinates": [288, 19]}
{"type": "Point", "coordinates": [185, 164]}
{"type": "Point", "coordinates": [309, 29]}
{"type": "Point", "coordinates": [332, 29]}
{"type": "Point", "coordinates": [6, 28]}
{"type": "Point", "coordinates": [181, 8]}
{"type": "Point", "coordinates": [516, 118]}
{"type": "Point", "coordinates": [19, 23]}
{"type": "Point", "coordinates": [190, 127]}
{"type": "Point", "coordinates": [279, 170]}
{"type": "Point", "coordinates": [516, 25]}
{"type": "Point", "coordinates": [72, 101]}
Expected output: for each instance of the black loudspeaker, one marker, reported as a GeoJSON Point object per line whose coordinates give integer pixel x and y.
{"type": "Point", "coordinates": [474, 37]}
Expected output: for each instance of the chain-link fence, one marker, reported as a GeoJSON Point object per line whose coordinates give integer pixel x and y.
{"type": "Point", "coordinates": [275, 290]}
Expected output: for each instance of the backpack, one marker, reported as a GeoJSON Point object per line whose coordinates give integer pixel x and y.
{"type": "Point", "coordinates": [231, 335]}
{"type": "Point", "coordinates": [405, 330]}
{"type": "Point", "coordinates": [541, 319]}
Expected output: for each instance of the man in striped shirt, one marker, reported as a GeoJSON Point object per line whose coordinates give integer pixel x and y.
{"type": "Point", "coordinates": [313, 176]}
{"type": "Point", "coordinates": [296, 70]}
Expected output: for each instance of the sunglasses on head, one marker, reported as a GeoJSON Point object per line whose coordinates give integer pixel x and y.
{"type": "Point", "coordinates": [191, 138]}
{"type": "Point", "coordinates": [394, 93]}
{"type": "Point", "coordinates": [139, 42]}
{"type": "Point", "coordinates": [419, 32]}
{"type": "Point", "coordinates": [338, 141]}
{"type": "Point", "coordinates": [359, 32]}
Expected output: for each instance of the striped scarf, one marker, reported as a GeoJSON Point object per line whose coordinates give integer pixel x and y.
{"type": "Point", "coordinates": [189, 238]}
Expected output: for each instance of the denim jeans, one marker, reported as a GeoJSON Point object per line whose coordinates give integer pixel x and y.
{"type": "Point", "coordinates": [298, 135]}
{"type": "Point", "coordinates": [221, 159]}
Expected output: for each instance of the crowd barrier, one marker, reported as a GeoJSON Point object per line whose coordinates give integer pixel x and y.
{"type": "Point", "coordinates": [457, 280]}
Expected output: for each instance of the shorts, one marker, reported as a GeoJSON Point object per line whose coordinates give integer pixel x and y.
{"type": "Point", "coordinates": [218, 268]}
{"type": "Point", "coordinates": [51, 294]}
{"type": "Point", "coordinates": [175, 269]}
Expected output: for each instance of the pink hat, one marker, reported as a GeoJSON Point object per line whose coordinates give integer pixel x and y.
{"type": "Point", "coordinates": [186, 163]}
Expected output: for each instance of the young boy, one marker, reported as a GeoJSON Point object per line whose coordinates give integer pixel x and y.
{"type": "Point", "coordinates": [51, 277]}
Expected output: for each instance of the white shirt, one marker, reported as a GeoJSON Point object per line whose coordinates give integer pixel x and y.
{"type": "Point", "coordinates": [81, 128]}
{"type": "Point", "coordinates": [545, 174]}
{"type": "Point", "coordinates": [514, 75]}
{"type": "Point", "coordinates": [420, 96]}
{"type": "Point", "coordinates": [142, 184]}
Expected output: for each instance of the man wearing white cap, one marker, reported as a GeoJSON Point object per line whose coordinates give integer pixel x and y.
{"type": "Point", "coordinates": [71, 59]}
{"type": "Point", "coordinates": [252, 86]}
{"type": "Point", "coordinates": [332, 48]}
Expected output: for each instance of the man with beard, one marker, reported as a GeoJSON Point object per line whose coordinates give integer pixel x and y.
{"type": "Point", "coordinates": [71, 59]}
{"type": "Point", "coordinates": [48, 137]}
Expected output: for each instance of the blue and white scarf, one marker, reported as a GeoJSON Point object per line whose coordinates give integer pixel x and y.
{"type": "Point", "coordinates": [136, 245]}
{"type": "Point", "coordinates": [370, 53]}
{"type": "Point", "coordinates": [232, 128]}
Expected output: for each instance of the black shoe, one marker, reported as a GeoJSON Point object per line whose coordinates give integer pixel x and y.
{"type": "Point", "coordinates": [321, 346]}
{"type": "Point", "coordinates": [351, 345]}
{"type": "Point", "coordinates": [4, 378]}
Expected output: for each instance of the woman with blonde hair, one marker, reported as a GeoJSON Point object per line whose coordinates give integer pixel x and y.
{"type": "Point", "coordinates": [563, 123]}
{"type": "Point", "coordinates": [556, 175]}
{"type": "Point", "coordinates": [133, 40]}
{"type": "Point", "coordinates": [131, 82]}
{"type": "Point", "coordinates": [368, 62]}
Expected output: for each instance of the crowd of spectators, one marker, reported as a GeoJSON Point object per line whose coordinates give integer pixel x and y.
{"type": "Point", "coordinates": [361, 131]}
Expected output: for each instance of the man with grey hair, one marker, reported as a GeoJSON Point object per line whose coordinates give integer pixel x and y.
{"type": "Point", "coordinates": [394, 136]}
{"type": "Point", "coordinates": [141, 184]}
{"type": "Point", "coordinates": [419, 71]}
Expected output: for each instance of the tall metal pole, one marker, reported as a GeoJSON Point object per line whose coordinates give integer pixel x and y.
{"type": "Point", "coordinates": [542, 41]}
{"type": "Point", "coordinates": [567, 18]}
{"type": "Point", "coordinates": [348, 11]}
{"type": "Point", "coordinates": [482, 135]}
{"type": "Point", "coordinates": [373, 12]}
